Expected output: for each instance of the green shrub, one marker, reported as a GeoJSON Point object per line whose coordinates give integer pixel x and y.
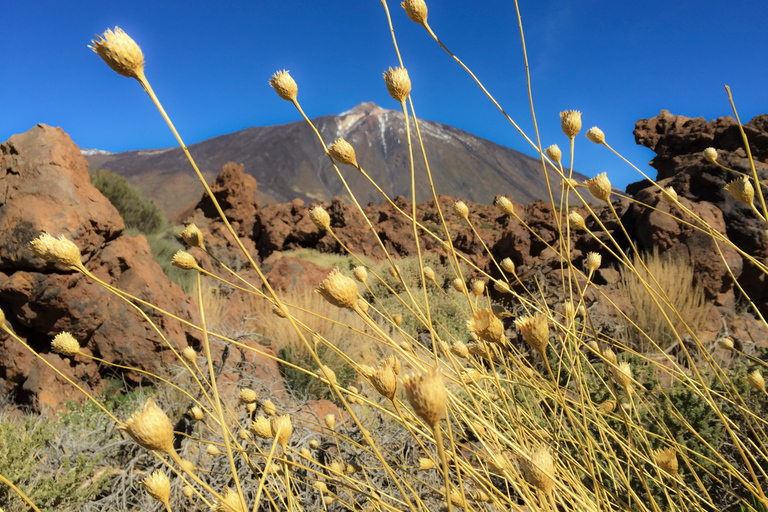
{"type": "Point", "coordinates": [136, 210]}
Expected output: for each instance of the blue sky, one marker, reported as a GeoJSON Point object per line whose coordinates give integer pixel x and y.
{"type": "Point", "coordinates": [210, 62]}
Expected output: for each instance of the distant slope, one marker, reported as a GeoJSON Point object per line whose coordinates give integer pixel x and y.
{"type": "Point", "coordinates": [288, 162]}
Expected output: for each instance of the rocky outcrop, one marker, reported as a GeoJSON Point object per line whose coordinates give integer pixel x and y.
{"type": "Point", "coordinates": [44, 186]}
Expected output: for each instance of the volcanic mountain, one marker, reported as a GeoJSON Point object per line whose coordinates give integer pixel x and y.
{"type": "Point", "coordinates": [288, 162]}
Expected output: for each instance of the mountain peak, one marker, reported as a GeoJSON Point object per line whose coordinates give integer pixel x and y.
{"type": "Point", "coordinates": [366, 107]}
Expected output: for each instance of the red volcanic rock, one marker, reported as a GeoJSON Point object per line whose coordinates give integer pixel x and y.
{"type": "Point", "coordinates": [235, 192]}
{"type": "Point", "coordinates": [294, 274]}
{"type": "Point", "coordinates": [46, 188]}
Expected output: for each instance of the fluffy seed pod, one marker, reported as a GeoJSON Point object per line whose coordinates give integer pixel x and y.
{"type": "Point", "coordinates": [398, 83]}
{"type": "Point", "coordinates": [478, 287]}
{"type": "Point", "coordinates": [284, 85]}
{"type": "Point", "coordinates": [427, 395]}
{"type": "Point", "coordinates": [593, 261]}
{"type": "Point", "coordinates": [596, 135]}
{"type": "Point", "coordinates": [508, 265]}
{"type": "Point", "coordinates": [320, 218]}
{"type": "Point", "coordinates": [416, 10]}
{"type": "Point", "coordinates": [535, 331]}
{"type": "Point", "coordinates": [61, 251]}
{"type": "Point", "coordinates": [710, 154]}
{"type": "Point", "coordinates": [610, 356]}
{"type": "Point", "coordinates": [460, 209]}
{"type": "Point", "coordinates": [600, 187]}
{"type": "Point", "coordinates": [366, 371]}
{"type": "Point", "coordinates": [196, 413]}
{"type": "Point", "coordinates": [429, 274]}
{"type": "Point", "coordinates": [397, 319]}
{"type": "Point", "coordinates": [330, 420]}
{"type": "Point", "coordinates": [189, 354]}
{"type": "Point", "coordinates": [666, 459]}
{"type": "Point", "coordinates": [193, 237]}
{"type": "Point", "coordinates": [425, 464]}
{"type": "Point", "coordinates": [212, 450]}
{"type": "Point", "coordinates": [460, 349]}
{"type": "Point", "coordinates": [360, 273]}
{"type": "Point", "coordinates": [726, 343]}
{"type": "Point", "coordinates": [554, 153]}
{"type": "Point", "coordinates": [229, 502]}
{"type": "Point", "coordinates": [576, 221]}
{"type": "Point", "coordinates": [339, 290]}
{"type": "Point", "coordinates": [65, 344]}
{"type": "Point", "coordinates": [471, 376]}
{"type": "Point", "coordinates": [501, 287]}
{"type": "Point", "coordinates": [188, 491]}
{"type": "Point", "coordinates": [384, 380]}
{"type": "Point", "coordinates": [504, 205]}
{"type": "Point", "coordinates": [622, 375]}
{"type": "Point", "coordinates": [269, 407]}
{"type": "Point", "coordinates": [741, 189]}
{"type": "Point", "coordinates": [343, 152]}
{"type": "Point", "coordinates": [755, 379]}
{"type": "Point", "coordinates": [669, 195]}
{"type": "Point", "coordinates": [282, 429]}
{"type": "Point", "coordinates": [328, 374]}
{"type": "Point", "coordinates": [261, 427]}
{"type": "Point", "coordinates": [247, 396]}
{"type": "Point", "coordinates": [539, 468]}
{"type": "Point", "coordinates": [487, 326]}
{"type": "Point", "coordinates": [158, 486]}
{"type": "Point", "coordinates": [184, 260]}
{"type": "Point", "coordinates": [570, 122]}
{"type": "Point", "coordinates": [120, 52]}
{"type": "Point", "coordinates": [393, 362]}
{"type": "Point", "coordinates": [458, 285]}
{"type": "Point", "coordinates": [150, 428]}
{"type": "Point", "coordinates": [569, 312]}
{"type": "Point", "coordinates": [607, 407]}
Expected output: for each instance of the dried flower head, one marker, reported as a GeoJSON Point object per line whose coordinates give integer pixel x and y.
{"type": "Point", "coordinates": [313, 444]}
{"type": "Point", "coordinates": [62, 251]}
{"type": "Point", "coordinates": [189, 354]}
{"type": "Point", "coordinates": [184, 260]}
{"type": "Point", "coordinates": [535, 331]}
{"type": "Point", "coordinates": [425, 463]}
{"type": "Point", "coordinates": [261, 427]}
{"type": "Point", "coordinates": [305, 453]}
{"type": "Point", "coordinates": [394, 270]}
{"type": "Point", "coordinates": [610, 356]}
{"type": "Point", "coordinates": [397, 319]}
{"type": "Point", "coordinates": [669, 195]}
{"type": "Point", "coordinates": [384, 380]}
{"type": "Point", "coordinates": [569, 184]}
{"type": "Point", "coordinates": [755, 379]}
{"type": "Point", "coordinates": [282, 429]}
{"type": "Point", "coordinates": [188, 491]}
{"type": "Point", "coordinates": [478, 287]}
{"type": "Point", "coordinates": [320, 218]}
{"type": "Point", "coordinates": [741, 189]}
{"type": "Point", "coordinates": [158, 486]}
{"type": "Point", "coordinates": [460, 349]}
{"type": "Point", "coordinates": [726, 343]}
{"type": "Point", "coordinates": [576, 221]}
{"type": "Point", "coordinates": [427, 395]}
{"type": "Point", "coordinates": [458, 285]}
{"type": "Point", "coordinates": [429, 274]}
{"type": "Point", "coordinates": [487, 326]}
{"type": "Point", "coordinates": [554, 153]}
{"type": "Point", "coordinates": [330, 420]}
{"type": "Point", "coordinates": [327, 373]}
{"type": "Point", "coordinates": [504, 205]}
{"type": "Point", "coordinates": [710, 154]}
{"type": "Point", "coordinates": [607, 407]}
{"type": "Point", "coordinates": [596, 135]}
{"type": "Point", "coordinates": [666, 458]}
{"type": "Point", "coordinates": [360, 273]}
{"type": "Point", "coordinates": [539, 468]}
{"type": "Point", "coordinates": [247, 396]}
{"type": "Point", "coordinates": [196, 413]}
{"type": "Point", "coordinates": [229, 502]}
{"type": "Point", "coordinates": [192, 236]}
{"type": "Point", "coordinates": [570, 122]}
{"type": "Point", "coordinates": [398, 83]}
{"type": "Point", "coordinates": [393, 362]}
{"type": "Point", "coordinates": [284, 85]}
{"type": "Point", "coordinates": [269, 407]}
{"type": "Point", "coordinates": [508, 265]}
{"type": "Point", "coordinates": [416, 10]}
{"type": "Point", "coordinates": [65, 344]}
{"type": "Point", "coordinates": [471, 376]}
{"type": "Point", "coordinates": [593, 261]}
{"type": "Point", "coordinates": [622, 375]}
{"type": "Point", "coordinates": [600, 187]}
{"type": "Point", "coordinates": [343, 152]}
{"type": "Point", "coordinates": [279, 311]}
{"type": "Point", "coordinates": [460, 209]}
{"type": "Point", "coordinates": [320, 486]}
{"type": "Point", "coordinates": [150, 428]}
{"type": "Point", "coordinates": [501, 287]}
{"type": "Point", "coordinates": [212, 450]}
{"type": "Point", "coordinates": [120, 52]}
{"type": "Point", "coordinates": [339, 290]}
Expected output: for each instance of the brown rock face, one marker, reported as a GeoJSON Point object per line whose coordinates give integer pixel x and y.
{"type": "Point", "coordinates": [45, 186]}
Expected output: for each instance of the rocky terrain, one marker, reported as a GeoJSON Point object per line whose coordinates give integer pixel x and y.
{"type": "Point", "coordinates": [288, 162]}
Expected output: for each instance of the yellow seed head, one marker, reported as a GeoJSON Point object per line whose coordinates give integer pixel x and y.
{"type": "Point", "coordinates": [184, 260]}
{"type": "Point", "coordinates": [726, 343]}
{"type": "Point", "coordinates": [328, 500]}
{"type": "Point", "coordinates": [508, 265]}
{"type": "Point", "coordinates": [460, 349]}
{"type": "Point", "coordinates": [398, 83]}
{"type": "Point", "coordinates": [569, 184]}
{"type": "Point", "coordinates": [710, 154]}
{"type": "Point", "coordinates": [247, 395]}
{"type": "Point", "coordinates": [622, 375]}
{"type": "Point", "coordinates": [305, 453]}
{"type": "Point", "coordinates": [610, 355]}
{"type": "Point", "coordinates": [384, 379]}
{"type": "Point", "coordinates": [570, 122]}
{"type": "Point", "coordinates": [669, 195]}
{"type": "Point", "coordinates": [62, 251]}
{"type": "Point", "coordinates": [501, 287]}
{"type": "Point", "coordinates": [330, 420]}
{"type": "Point", "coordinates": [339, 290]}
{"type": "Point", "coordinates": [313, 444]}
{"type": "Point", "coordinates": [487, 326]}
{"type": "Point", "coordinates": [478, 287]}
{"type": "Point", "coordinates": [576, 221]}
{"type": "Point", "coordinates": [397, 319]}
{"type": "Point", "coordinates": [269, 408]}
{"type": "Point", "coordinates": [535, 331]}
{"type": "Point", "coordinates": [188, 491]}
{"type": "Point", "coordinates": [471, 376]}
{"type": "Point", "coordinates": [607, 407]}
{"type": "Point", "coordinates": [366, 371]}
{"type": "Point", "coordinates": [65, 344]}
{"type": "Point", "coordinates": [327, 373]}
{"type": "Point", "coordinates": [150, 428]}
{"type": "Point", "coordinates": [741, 189]}
{"type": "Point", "coordinates": [193, 237]}
{"type": "Point", "coordinates": [756, 380]}
{"type": "Point", "coordinates": [282, 429]}
{"type": "Point", "coordinates": [279, 311]}
{"type": "Point", "coordinates": [250, 408]}
{"type": "Point", "coordinates": [196, 413]}
{"type": "Point", "coordinates": [284, 85]}
{"type": "Point", "coordinates": [569, 312]}
{"type": "Point", "coordinates": [120, 52]}
{"type": "Point", "coordinates": [261, 427]}
{"type": "Point", "coordinates": [458, 285]}
{"type": "Point", "coordinates": [187, 466]}
{"type": "Point", "coordinates": [320, 218]}
{"type": "Point", "coordinates": [600, 187]}
{"type": "Point", "coordinates": [360, 273]}
{"type": "Point", "coordinates": [229, 502]}
{"type": "Point", "coordinates": [504, 205]}
{"type": "Point", "coordinates": [481, 496]}
{"type": "Point", "coordinates": [320, 486]}
{"type": "Point", "coordinates": [393, 362]}
{"type": "Point", "coordinates": [335, 468]}
{"type": "Point", "coordinates": [416, 10]}
{"type": "Point", "coordinates": [554, 153]}
{"type": "Point", "coordinates": [189, 354]}
{"type": "Point", "coordinates": [666, 458]}
{"type": "Point", "coordinates": [158, 486]}
{"type": "Point", "coordinates": [596, 135]}
{"type": "Point", "coordinates": [243, 434]}
{"type": "Point", "coordinates": [427, 395]}
{"type": "Point", "coordinates": [429, 274]}
{"type": "Point", "coordinates": [425, 463]}
{"type": "Point", "coordinates": [393, 271]}
{"type": "Point", "coordinates": [460, 209]}
{"type": "Point", "coordinates": [593, 261]}
{"type": "Point", "coordinates": [212, 450]}
{"type": "Point", "coordinates": [343, 152]}
{"type": "Point", "coordinates": [539, 468]}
